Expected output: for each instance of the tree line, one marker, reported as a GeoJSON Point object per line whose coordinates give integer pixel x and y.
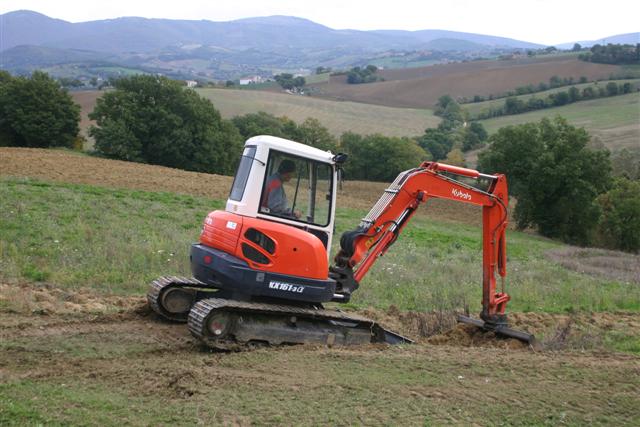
{"type": "Point", "coordinates": [514, 105]}
{"type": "Point", "coordinates": [613, 54]}
{"type": "Point", "coordinates": [554, 82]}
{"type": "Point", "coordinates": [155, 120]}
{"type": "Point", "coordinates": [454, 135]}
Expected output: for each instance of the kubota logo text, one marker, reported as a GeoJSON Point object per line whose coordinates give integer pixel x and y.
{"type": "Point", "coordinates": [281, 286]}
{"type": "Point", "coordinates": [461, 194]}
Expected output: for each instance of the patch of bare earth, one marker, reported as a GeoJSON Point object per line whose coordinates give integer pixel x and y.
{"type": "Point", "coordinates": [611, 265]}
{"type": "Point", "coordinates": [131, 351]}
{"type": "Point", "coordinates": [44, 304]}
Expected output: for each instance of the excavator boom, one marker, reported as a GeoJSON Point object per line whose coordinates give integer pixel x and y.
{"type": "Point", "coordinates": [381, 227]}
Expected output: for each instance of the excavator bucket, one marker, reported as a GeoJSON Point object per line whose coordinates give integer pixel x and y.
{"type": "Point", "coordinates": [499, 330]}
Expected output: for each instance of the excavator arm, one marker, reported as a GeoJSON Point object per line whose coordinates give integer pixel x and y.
{"type": "Point", "coordinates": [360, 248]}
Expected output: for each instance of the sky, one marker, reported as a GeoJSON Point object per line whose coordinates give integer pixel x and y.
{"type": "Point", "coordinates": [547, 22]}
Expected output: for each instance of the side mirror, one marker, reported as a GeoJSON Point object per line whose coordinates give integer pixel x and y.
{"type": "Point", "coordinates": [340, 158]}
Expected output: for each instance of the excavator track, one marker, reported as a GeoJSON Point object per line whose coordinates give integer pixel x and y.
{"type": "Point", "coordinates": [236, 325]}
{"type": "Point", "coordinates": [172, 297]}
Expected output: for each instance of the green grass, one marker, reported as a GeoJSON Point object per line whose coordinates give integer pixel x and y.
{"type": "Point", "coordinates": [119, 240]}
{"type": "Point", "coordinates": [600, 113]}
{"type": "Point", "coordinates": [476, 108]}
{"type": "Point", "coordinates": [76, 235]}
{"type": "Point", "coordinates": [614, 120]}
{"type": "Point", "coordinates": [66, 370]}
{"type": "Point", "coordinates": [317, 78]}
{"type": "Point", "coordinates": [338, 117]}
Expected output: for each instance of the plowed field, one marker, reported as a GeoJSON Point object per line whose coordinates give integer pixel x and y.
{"type": "Point", "coordinates": [421, 87]}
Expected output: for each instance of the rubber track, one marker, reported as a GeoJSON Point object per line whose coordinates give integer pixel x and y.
{"type": "Point", "coordinates": [161, 283]}
{"type": "Point", "coordinates": [201, 310]}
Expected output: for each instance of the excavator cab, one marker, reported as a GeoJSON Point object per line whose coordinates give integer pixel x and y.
{"type": "Point", "coordinates": [273, 238]}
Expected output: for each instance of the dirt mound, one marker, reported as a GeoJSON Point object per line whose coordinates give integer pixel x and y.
{"type": "Point", "coordinates": [44, 298]}
{"type": "Point", "coordinates": [553, 331]}
{"type": "Point", "coordinates": [44, 303]}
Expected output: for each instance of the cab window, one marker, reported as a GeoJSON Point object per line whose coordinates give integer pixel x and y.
{"type": "Point", "coordinates": [297, 189]}
{"type": "Point", "coordinates": [242, 175]}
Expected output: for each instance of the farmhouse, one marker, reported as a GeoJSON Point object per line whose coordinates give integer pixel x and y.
{"type": "Point", "coordinates": [251, 80]}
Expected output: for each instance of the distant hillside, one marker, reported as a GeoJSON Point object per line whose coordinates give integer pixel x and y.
{"type": "Point", "coordinates": [272, 33]}
{"type": "Point", "coordinates": [24, 56]}
{"type": "Point", "coordinates": [223, 50]}
{"type": "Point", "coordinates": [208, 50]}
{"type": "Point", "coordinates": [629, 38]}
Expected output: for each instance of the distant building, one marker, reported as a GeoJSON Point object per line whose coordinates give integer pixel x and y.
{"type": "Point", "coordinates": [191, 83]}
{"type": "Point", "coordinates": [251, 80]}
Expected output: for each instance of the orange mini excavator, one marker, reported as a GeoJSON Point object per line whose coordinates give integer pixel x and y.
{"type": "Point", "coordinates": [261, 268]}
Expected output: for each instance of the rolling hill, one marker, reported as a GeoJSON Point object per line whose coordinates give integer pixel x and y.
{"type": "Point", "coordinates": [338, 117]}
{"type": "Point", "coordinates": [421, 87]}
{"type": "Point", "coordinates": [615, 120]}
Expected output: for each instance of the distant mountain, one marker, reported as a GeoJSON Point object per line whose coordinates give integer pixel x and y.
{"type": "Point", "coordinates": [425, 36]}
{"type": "Point", "coordinates": [222, 50]}
{"type": "Point", "coordinates": [22, 57]}
{"type": "Point", "coordinates": [629, 38]}
{"type": "Point", "coordinates": [266, 33]}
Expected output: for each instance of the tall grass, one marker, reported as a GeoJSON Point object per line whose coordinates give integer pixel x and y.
{"type": "Point", "coordinates": [119, 240]}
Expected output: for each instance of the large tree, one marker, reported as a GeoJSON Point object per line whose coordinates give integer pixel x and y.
{"type": "Point", "coordinates": [36, 112]}
{"type": "Point", "coordinates": [553, 174]}
{"type": "Point", "coordinates": [155, 120]}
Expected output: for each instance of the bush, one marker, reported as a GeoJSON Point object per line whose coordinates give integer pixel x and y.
{"type": "Point", "coordinates": [619, 226]}
{"type": "Point", "coordinates": [359, 75]}
{"type": "Point", "coordinates": [36, 112]}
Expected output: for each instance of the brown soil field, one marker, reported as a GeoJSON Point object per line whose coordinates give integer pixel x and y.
{"type": "Point", "coordinates": [421, 87]}
{"type": "Point", "coordinates": [70, 167]}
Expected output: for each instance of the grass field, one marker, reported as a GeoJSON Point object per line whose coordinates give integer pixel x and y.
{"type": "Point", "coordinates": [476, 108]}
{"type": "Point", "coordinates": [78, 347]}
{"type": "Point", "coordinates": [338, 117]}
{"type": "Point", "coordinates": [75, 236]}
{"type": "Point", "coordinates": [615, 120]}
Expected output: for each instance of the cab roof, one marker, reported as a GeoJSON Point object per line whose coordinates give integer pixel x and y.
{"type": "Point", "coordinates": [291, 147]}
